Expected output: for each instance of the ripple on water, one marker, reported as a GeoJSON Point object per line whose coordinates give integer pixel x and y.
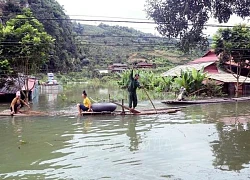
{"type": "Point", "coordinates": [177, 146]}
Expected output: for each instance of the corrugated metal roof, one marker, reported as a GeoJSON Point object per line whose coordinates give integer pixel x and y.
{"type": "Point", "coordinates": [11, 86]}
{"type": "Point", "coordinates": [227, 77]}
{"type": "Point", "coordinates": [176, 71]}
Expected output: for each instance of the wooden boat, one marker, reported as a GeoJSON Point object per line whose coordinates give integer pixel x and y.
{"type": "Point", "coordinates": [24, 113]}
{"type": "Point", "coordinates": [207, 101]}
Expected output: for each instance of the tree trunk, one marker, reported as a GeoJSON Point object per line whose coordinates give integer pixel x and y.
{"type": "Point", "coordinates": [27, 90]}
{"type": "Point", "coordinates": [237, 88]}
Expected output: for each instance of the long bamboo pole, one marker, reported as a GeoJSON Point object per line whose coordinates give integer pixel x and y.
{"type": "Point", "coordinates": [150, 99]}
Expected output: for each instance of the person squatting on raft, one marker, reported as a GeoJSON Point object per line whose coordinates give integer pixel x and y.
{"type": "Point", "coordinates": [86, 106]}
{"type": "Point", "coordinates": [17, 103]}
{"type": "Point", "coordinates": [132, 86]}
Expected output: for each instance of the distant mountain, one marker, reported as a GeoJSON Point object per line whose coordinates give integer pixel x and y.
{"type": "Point", "coordinates": [104, 44]}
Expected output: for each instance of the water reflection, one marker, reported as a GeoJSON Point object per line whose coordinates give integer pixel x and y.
{"type": "Point", "coordinates": [232, 149]}
{"type": "Point", "coordinates": [199, 142]}
{"type": "Point", "coordinates": [133, 136]}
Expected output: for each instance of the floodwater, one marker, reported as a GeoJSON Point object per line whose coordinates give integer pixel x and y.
{"type": "Point", "coordinates": [200, 142]}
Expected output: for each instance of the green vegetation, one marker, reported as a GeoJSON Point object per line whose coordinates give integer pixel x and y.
{"type": "Point", "coordinates": [24, 48]}
{"type": "Point", "coordinates": [95, 47]}
{"type": "Point", "coordinates": [192, 80]}
{"type": "Point", "coordinates": [64, 55]}
{"type": "Point", "coordinates": [186, 19]}
{"type": "Point", "coordinates": [103, 45]}
{"type": "Point", "coordinates": [149, 80]}
{"type": "Point", "coordinates": [40, 39]}
{"type": "Point", "coordinates": [31, 44]}
{"type": "Point", "coordinates": [232, 46]}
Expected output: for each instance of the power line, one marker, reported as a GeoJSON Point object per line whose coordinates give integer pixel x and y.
{"type": "Point", "coordinates": [116, 21]}
{"type": "Point", "coordinates": [107, 17]}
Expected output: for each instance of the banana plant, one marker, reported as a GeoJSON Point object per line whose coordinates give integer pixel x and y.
{"type": "Point", "coordinates": [149, 80]}
{"type": "Point", "coordinates": [190, 79]}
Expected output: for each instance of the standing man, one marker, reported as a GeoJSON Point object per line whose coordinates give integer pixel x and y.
{"type": "Point", "coordinates": [132, 86]}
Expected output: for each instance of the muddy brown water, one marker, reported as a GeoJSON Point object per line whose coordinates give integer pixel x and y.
{"type": "Point", "coordinates": [200, 142]}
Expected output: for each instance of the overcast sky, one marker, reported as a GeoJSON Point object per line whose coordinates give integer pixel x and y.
{"type": "Point", "coordinates": [126, 9]}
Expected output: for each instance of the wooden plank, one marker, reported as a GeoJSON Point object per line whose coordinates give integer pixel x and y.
{"type": "Point", "coordinates": [125, 107]}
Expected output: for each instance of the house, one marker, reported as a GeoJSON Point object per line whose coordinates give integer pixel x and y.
{"type": "Point", "coordinates": [145, 65]}
{"type": "Point", "coordinates": [117, 67]}
{"type": "Point", "coordinates": [208, 63]}
{"type": "Point", "coordinates": [12, 85]}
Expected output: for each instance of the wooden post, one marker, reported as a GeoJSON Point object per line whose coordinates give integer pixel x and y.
{"type": "Point", "coordinates": [109, 97]}
{"type": "Point", "coordinates": [123, 111]}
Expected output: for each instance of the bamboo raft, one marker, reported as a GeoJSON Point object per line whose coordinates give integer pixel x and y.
{"type": "Point", "coordinates": [86, 113]}
{"type": "Point", "coordinates": [141, 112]}
{"type": "Point", "coordinates": [207, 101]}
{"type": "Point", "coordinates": [24, 113]}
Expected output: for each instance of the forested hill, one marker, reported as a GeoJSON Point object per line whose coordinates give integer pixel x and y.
{"type": "Point", "coordinates": [65, 54]}
{"type": "Point", "coordinates": [77, 44]}
{"type": "Point", "coordinates": [105, 44]}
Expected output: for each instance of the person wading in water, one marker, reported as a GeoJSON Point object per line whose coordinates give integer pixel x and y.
{"type": "Point", "coordinates": [17, 103]}
{"type": "Point", "coordinates": [133, 84]}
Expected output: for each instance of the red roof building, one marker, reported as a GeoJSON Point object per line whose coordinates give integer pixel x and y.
{"type": "Point", "coordinates": [145, 65]}
{"type": "Point", "coordinates": [210, 56]}
{"type": "Point", "coordinates": [208, 63]}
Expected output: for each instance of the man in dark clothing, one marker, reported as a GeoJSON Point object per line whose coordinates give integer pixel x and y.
{"type": "Point", "coordinates": [132, 86]}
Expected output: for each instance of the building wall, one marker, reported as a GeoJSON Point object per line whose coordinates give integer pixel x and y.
{"type": "Point", "coordinates": [211, 69]}
{"type": "Point", "coordinates": [246, 89]}
{"type": "Point", "coordinates": [243, 90]}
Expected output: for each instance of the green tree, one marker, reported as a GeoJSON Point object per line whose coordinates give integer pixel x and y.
{"type": "Point", "coordinates": [65, 53]}
{"type": "Point", "coordinates": [51, 14]}
{"type": "Point", "coordinates": [24, 44]}
{"type": "Point", "coordinates": [232, 45]}
{"type": "Point", "coordinates": [186, 19]}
